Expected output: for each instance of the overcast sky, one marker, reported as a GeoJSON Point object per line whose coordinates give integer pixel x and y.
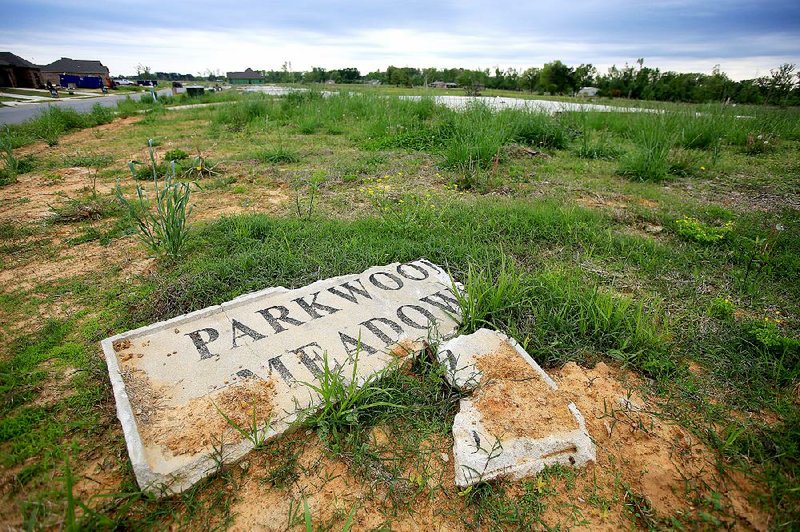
{"type": "Point", "coordinates": [746, 38]}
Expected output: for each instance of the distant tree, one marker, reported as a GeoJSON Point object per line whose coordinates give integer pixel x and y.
{"type": "Point", "coordinates": [143, 72]}
{"type": "Point", "coordinates": [583, 75]}
{"type": "Point", "coordinates": [780, 84]}
{"type": "Point", "coordinates": [349, 75]}
{"type": "Point", "coordinates": [530, 79]}
{"type": "Point", "coordinates": [315, 75]}
{"type": "Point", "coordinates": [556, 77]}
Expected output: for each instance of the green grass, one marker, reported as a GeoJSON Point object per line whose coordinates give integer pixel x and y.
{"type": "Point", "coordinates": [570, 283]}
{"type": "Point", "coordinates": [276, 155]}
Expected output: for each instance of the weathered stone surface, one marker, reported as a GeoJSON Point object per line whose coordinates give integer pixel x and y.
{"type": "Point", "coordinates": [515, 423]}
{"type": "Point", "coordinates": [252, 357]}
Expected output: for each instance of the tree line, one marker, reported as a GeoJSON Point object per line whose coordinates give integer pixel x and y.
{"type": "Point", "coordinates": [636, 81]}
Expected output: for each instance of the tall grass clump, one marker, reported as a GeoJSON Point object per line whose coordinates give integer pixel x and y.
{"type": "Point", "coordinates": [164, 230]}
{"type": "Point", "coordinates": [703, 130]}
{"type": "Point", "coordinates": [591, 143]}
{"type": "Point", "coordinates": [13, 165]}
{"type": "Point", "coordinates": [577, 313]}
{"type": "Point", "coordinates": [492, 296]}
{"type": "Point", "coordinates": [476, 138]}
{"type": "Point", "coordinates": [653, 137]}
{"type": "Point", "coordinates": [252, 109]}
{"type": "Point", "coordinates": [535, 128]}
{"type": "Point", "coordinates": [347, 399]}
{"type": "Point", "coordinates": [276, 155]}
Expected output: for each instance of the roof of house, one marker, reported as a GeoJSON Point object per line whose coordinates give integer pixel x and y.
{"type": "Point", "coordinates": [78, 66]}
{"type": "Point", "coordinates": [247, 74]}
{"type": "Point", "coordinates": [9, 59]}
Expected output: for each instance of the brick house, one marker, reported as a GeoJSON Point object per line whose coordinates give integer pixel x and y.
{"type": "Point", "coordinates": [74, 67]}
{"type": "Point", "coordinates": [248, 77]}
{"type": "Point", "coordinates": [16, 72]}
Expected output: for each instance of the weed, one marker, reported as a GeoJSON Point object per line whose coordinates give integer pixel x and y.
{"type": "Point", "coordinates": [758, 143]}
{"type": "Point", "coordinates": [346, 401]}
{"type": "Point", "coordinates": [176, 155]}
{"type": "Point", "coordinates": [166, 230]}
{"type": "Point", "coordinates": [200, 167]}
{"type": "Point", "coordinates": [276, 155]}
{"type": "Point", "coordinates": [256, 433]}
{"type": "Point", "coordinates": [722, 308]}
{"type": "Point", "coordinates": [693, 229]}
{"type": "Point", "coordinates": [648, 161]}
{"type": "Point", "coordinates": [312, 186]}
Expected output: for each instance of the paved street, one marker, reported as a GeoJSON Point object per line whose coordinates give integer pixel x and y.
{"type": "Point", "coordinates": [16, 115]}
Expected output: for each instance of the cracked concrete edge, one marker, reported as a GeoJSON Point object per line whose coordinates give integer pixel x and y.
{"type": "Point", "coordinates": [517, 457]}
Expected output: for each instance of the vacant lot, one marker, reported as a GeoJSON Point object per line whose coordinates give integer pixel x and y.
{"type": "Point", "coordinates": [653, 257]}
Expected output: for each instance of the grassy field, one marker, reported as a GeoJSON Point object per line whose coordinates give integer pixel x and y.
{"type": "Point", "coordinates": [648, 255]}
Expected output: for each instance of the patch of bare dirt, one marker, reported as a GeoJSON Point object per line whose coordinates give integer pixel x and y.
{"type": "Point", "coordinates": [644, 463]}
{"type": "Point", "coordinates": [637, 445]}
{"type": "Point", "coordinates": [29, 199]}
{"type": "Point", "coordinates": [212, 204]}
{"type": "Point", "coordinates": [332, 492]}
{"type": "Point", "coordinates": [124, 253]}
{"type": "Point", "coordinates": [189, 428]}
{"type": "Point", "coordinates": [514, 400]}
{"type": "Point", "coordinates": [617, 201]}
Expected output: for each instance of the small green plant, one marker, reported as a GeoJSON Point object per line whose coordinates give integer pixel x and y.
{"type": "Point", "coordinates": [255, 432]}
{"type": "Point", "coordinates": [767, 335]}
{"type": "Point", "coordinates": [312, 185]}
{"type": "Point", "coordinates": [722, 308]}
{"type": "Point", "coordinates": [176, 155]}
{"type": "Point", "coordinates": [164, 230]}
{"type": "Point", "coordinates": [277, 155]}
{"type": "Point", "coordinates": [346, 400]}
{"type": "Point", "coordinates": [693, 229]}
{"type": "Point", "coordinates": [760, 253]}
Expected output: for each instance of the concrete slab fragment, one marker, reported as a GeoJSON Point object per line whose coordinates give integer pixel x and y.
{"type": "Point", "coordinates": [515, 423]}
{"type": "Point", "coordinates": [251, 357]}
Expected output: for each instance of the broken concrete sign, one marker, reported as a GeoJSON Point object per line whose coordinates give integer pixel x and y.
{"type": "Point", "coordinates": [251, 357]}
{"type": "Point", "coordinates": [514, 423]}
